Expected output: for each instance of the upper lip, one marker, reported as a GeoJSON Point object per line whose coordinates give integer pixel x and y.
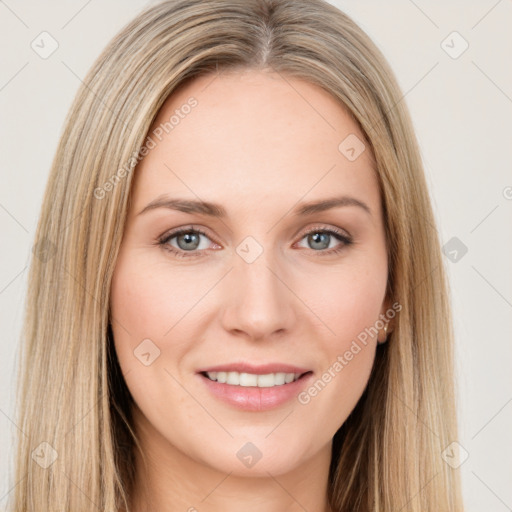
{"type": "Point", "coordinates": [261, 369]}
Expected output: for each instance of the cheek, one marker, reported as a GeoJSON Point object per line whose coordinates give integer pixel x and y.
{"type": "Point", "coordinates": [135, 300]}
{"type": "Point", "coordinates": [358, 307]}
{"type": "Point", "coordinates": [149, 302]}
{"type": "Point", "coordinates": [143, 309]}
{"type": "Point", "coordinates": [348, 307]}
{"type": "Point", "coordinates": [349, 301]}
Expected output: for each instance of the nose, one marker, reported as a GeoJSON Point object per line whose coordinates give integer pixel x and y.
{"type": "Point", "coordinates": [259, 302]}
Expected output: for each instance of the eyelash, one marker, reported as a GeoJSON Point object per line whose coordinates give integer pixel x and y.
{"type": "Point", "coordinates": [339, 235]}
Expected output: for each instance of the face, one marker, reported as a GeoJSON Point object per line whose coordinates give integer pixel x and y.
{"type": "Point", "coordinates": [256, 284]}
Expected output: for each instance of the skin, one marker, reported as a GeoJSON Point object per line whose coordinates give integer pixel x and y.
{"type": "Point", "coordinates": [257, 144]}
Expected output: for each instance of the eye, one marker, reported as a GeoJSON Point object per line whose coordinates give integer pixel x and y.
{"type": "Point", "coordinates": [188, 240]}
{"type": "Point", "coordinates": [321, 238]}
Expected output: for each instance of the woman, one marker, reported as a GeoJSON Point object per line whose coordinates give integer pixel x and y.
{"type": "Point", "coordinates": [241, 300]}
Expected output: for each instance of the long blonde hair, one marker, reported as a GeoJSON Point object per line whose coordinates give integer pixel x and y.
{"type": "Point", "coordinates": [76, 450]}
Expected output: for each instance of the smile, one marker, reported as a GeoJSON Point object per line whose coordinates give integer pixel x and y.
{"type": "Point", "coordinates": [255, 392]}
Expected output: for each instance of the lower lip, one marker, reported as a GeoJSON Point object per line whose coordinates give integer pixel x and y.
{"type": "Point", "coordinates": [253, 398]}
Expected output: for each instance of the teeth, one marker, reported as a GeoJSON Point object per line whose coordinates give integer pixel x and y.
{"type": "Point", "coordinates": [247, 379]}
{"type": "Point", "coordinates": [289, 377]}
{"type": "Point", "coordinates": [252, 380]}
{"type": "Point", "coordinates": [233, 379]}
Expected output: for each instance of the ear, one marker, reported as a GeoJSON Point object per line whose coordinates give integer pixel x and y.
{"type": "Point", "coordinates": [388, 320]}
{"type": "Point", "coordinates": [385, 316]}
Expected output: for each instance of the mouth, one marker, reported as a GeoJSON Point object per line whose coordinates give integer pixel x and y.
{"type": "Point", "coordinates": [252, 387]}
{"type": "Point", "coordinates": [255, 392]}
{"type": "Point", "coordinates": [255, 380]}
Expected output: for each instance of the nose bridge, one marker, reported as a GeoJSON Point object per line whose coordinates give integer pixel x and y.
{"type": "Point", "coordinates": [259, 302]}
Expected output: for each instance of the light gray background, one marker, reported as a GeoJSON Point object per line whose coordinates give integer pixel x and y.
{"type": "Point", "coordinates": [462, 112]}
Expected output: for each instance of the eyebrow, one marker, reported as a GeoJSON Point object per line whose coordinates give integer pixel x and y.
{"type": "Point", "coordinates": [216, 210]}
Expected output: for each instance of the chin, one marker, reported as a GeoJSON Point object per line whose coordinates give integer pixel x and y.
{"type": "Point", "coordinates": [257, 458]}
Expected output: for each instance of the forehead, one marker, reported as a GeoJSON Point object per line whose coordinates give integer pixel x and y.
{"type": "Point", "coordinates": [252, 136]}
